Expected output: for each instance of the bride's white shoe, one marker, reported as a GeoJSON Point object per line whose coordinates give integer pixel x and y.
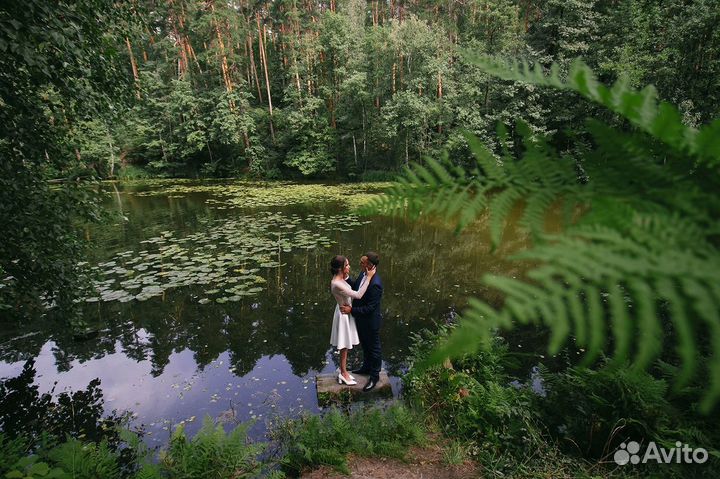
{"type": "Point", "coordinates": [351, 376]}
{"type": "Point", "coordinates": [342, 380]}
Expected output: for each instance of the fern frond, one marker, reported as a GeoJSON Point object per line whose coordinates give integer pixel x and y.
{"type": "Point", "coordinates": [597, 325]}
{"type": "Point", "coordinates": [501, 205]}
{"type": "Point", "coordinates": [708, 140]}
{"type": "Point", "coordinates": [621, 323]}
{"type": "Point", "coordinates": [485, 159]}
{"type": "Point", "coordinates": [645, 246]}
{"type": "Point", "coordinates": [538, 203]}
{"type": "Point", "coordinates": [428, 190]}
{"type": "Point", "coordinates": [706, 306]}
{"type": "Point", "coordinates": [595, 273]}
{"type": "Point", "coordinates": [86, 460]}
{"type": "Point", "coordinates": [642, 108]}
{"type": "Point", "coordinates": [686, 349]}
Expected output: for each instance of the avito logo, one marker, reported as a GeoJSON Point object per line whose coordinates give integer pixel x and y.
{"type": "Point", "coordinates": [680, 454]}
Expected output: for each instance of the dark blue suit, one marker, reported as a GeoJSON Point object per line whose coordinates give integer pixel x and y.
{"type": "Point", "coordinates": [368, 319]}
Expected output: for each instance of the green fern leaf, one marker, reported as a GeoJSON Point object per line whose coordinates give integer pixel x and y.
{"type": "Point", "coordinates": [686, 348]}
{"type": "Point", "coordinates": [659, 120]}
{"type": "Point", "coordinates": [500, 206]}
{"type": "Point", "coordinates": [640, 229]}
{"type": "Point", "coordinates": [621, 324]}
{"type": "Point", "coordinates": [706, 307]}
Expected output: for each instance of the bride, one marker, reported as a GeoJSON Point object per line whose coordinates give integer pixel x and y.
{"type": "Point", "coordinates": [344, 333]}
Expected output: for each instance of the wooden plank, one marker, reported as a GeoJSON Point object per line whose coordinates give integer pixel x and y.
{"type": "Point", "coordinates": [330, 392]}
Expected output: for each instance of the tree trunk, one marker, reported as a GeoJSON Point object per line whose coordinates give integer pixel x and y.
{"type": "Point", "coordinates": [112, 153]}
{"type": "Point", "coordinates": [253, 68]}
{"type": "Point", "coordinates": [223, 63]}
{"type": "Point", "coordinates": [407, 153]}
{"type": "Point", "coordinates": [191, 50]}
{"type": "Point", "coordinates": [440, 93]}
{"type": "Point", "coordinates": [394, 71]}
{"type": "Point", "coordinates": [377, 97]}
{"type": "Point", "coordinates": [297, 80]}
{"type": "Point", "coordinates": [355, 149]}
{"type": "Point", "coordinates": [263, 57]}
{"type": "Point", "coordinates": [401, 60]}
{"type": "Point", "coordinates": [179, 43]}
{"type": "Point", "coordinates": [364, 135]}
{"type": "Point", "coordinates": [134, 68]}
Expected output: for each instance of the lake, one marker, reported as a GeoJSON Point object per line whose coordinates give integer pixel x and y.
{"type": "Point", "coordinates": [212, 298]}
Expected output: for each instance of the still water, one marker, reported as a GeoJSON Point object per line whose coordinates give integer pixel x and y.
{"type": "Point", "coordinates": [212, 298]}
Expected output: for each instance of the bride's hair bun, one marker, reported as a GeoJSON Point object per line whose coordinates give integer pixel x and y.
{"type": "Point", "coordinates": [337, 264]}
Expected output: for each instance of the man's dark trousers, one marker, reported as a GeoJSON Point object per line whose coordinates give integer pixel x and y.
{"type": "Point", "coordinates": [368, 320]}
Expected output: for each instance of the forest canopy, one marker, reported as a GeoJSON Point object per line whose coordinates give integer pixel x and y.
{"type": "Point", "coordinates": [339, 89]}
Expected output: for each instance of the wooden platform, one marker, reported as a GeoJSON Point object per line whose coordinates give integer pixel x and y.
{"type": "Point", "coordinates": [330, 392]}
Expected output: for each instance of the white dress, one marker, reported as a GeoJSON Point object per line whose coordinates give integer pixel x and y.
{"type": "Point", "coordinates": [344, 332]}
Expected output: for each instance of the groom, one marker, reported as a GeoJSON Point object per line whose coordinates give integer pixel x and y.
{"type": "Point", "coordinates": [368, 319]}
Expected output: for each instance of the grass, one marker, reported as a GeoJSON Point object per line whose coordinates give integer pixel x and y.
{"type": "Point", "coordinates": [455, 453]}
{"type": "Point", "coordinates": [314, 441]}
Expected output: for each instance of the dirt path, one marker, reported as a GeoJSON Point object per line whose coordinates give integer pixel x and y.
{"type": "Point", "coordinates": [422, 463]}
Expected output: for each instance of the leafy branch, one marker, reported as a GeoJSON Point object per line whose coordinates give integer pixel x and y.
{"type": "Point", "coordinates": [637, 263]}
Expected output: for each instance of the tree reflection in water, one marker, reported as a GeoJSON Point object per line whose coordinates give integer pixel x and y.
{"type": "Point", "coordinates": [49, 416]}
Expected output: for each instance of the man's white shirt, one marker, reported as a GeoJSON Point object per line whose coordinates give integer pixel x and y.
{"type": "Point", "coordinates": [362, 281]}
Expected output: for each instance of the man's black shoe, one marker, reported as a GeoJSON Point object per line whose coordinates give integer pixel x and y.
{"type": "Point", "coordinates": [360, 371]}
{"type": "Point", "coordinates": [372, 382]}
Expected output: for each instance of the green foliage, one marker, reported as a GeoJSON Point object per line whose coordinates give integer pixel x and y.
{"type": "Point", "coordinates": [211, 453]}
{"type": "Point", "coordinates": [11, 450]}
{"type": "Point", "coordinates": [312, 440]}
{"type": "Point", "coordinates": [131, 172]}
{"type": "Point", "coordinates": [642, 256]}
{"type": "Point", "coordinates": [57, 68]}
{"type": "Point", "coordinates": [86, 460]}
{"type": "Point", "coordinates": [485, 416]}
{"type": "Point", "coordinates": [473, 400]}
{"type": "Point", "coordinates": [660, 120]}
{"type": "Point", "coordinates": [352, 88]}
{"type": "Point", "coordinates": [455, 453]}
{"type": "Point", "coordinates": [308, 139]}
{"type": "Point", "coordinates": [556, 423]}
{"type": "Point", "coordinates": [680, 63]}
{"type": "Point", "coordinates": [592, 411]}
{"type": "Point", "coordinates": [69, 459]}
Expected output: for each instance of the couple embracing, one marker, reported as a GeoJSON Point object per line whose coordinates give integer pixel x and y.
{"type": "Point", "coordinates": [357, 322]}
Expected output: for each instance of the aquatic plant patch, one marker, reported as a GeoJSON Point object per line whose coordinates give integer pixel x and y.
{"type": "Point", "coordinates": [263, 195]}
{"type": "Point", "coordinates": [225, 257]}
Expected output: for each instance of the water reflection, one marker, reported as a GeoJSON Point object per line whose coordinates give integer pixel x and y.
{"type": "Point", "coordinates": [41, 416]}
{"type": "Point", "coordinates": [170, 359]}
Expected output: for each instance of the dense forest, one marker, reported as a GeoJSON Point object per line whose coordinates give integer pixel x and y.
{"type": "Point", "coordinates": [291, 89]}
